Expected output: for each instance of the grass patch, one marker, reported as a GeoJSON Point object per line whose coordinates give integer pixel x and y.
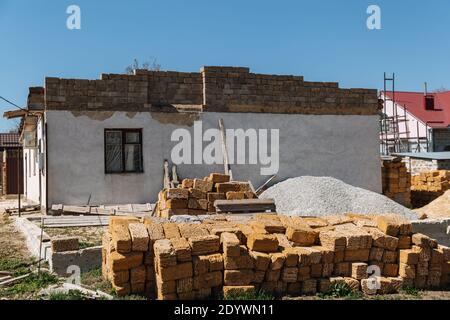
{"type": "Point", "coordinates": [255, 295]}
{"type": "Point", "coordinates": [132, 297]}
{"type": "Point", "coordinates": [84, 245]}
{"type": "Point", "coordinates": [94, 280]}
{"type": "Point", "coordinates": [341, 290]}
{"type": "Point", "coordinates": [31, 285]}
{"type": "Point", "coordinates": [412, 291]}
{"type": "Point", "coordinates": [71, 295]}
{"type": "Point", "coordinates": [16, 266]}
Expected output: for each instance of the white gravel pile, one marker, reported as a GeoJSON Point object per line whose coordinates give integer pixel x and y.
{"type": "Point", "coordinates": [321, 196]}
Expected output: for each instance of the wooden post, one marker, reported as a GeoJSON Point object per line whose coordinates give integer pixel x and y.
{"type": "Point", "coordinates": [166, 175]}
{"type": "Point", "coordinates": [226, 164]}
{"type": "Point", "coordinates": [18, 181]}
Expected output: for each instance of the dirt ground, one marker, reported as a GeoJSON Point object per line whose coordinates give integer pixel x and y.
{"type": "Point", "coordinates": [12, 244]}
{"type": "Point", "coordinates": [88, 236]}
{"type": "Point", "coordinates": [418, 295]}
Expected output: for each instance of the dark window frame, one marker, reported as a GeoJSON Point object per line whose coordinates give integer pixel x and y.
{"type": "Point", "coordinates": [123, 144]}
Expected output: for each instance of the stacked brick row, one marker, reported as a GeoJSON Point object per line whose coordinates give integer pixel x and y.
{"type": "Point", "coordinates": [277, 254]}
{"type": "Point", "coordinates": [396, 181]}
{"type": "Point", "coordinates": [427, 186]}
{"type": "Point", "coordinates": [231, 89]}
{"type": "Point", "coordinates": [197, 196]}
{"type": "Point", "coordinates": [127, 255]}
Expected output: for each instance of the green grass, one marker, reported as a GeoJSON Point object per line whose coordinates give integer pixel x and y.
{"type": "Point", "coordinates": [94, 280]}
{"type": "Point", "coordinates": [71, 295]}
{"type": "Point", "coordinates": [255, 295]}
{"type": "Point", "coordinates": [84, 245]}
{"type": "Point", "coordinates": [30, 285]}
{"type": "Point", "coordinates": [16, 266]}
{"type": "Point", "coordinates": [131, 297]}
{"type": "Point", "coordinates": [412, 291]}
{"type": "Point", "coordinates": [341, 290]}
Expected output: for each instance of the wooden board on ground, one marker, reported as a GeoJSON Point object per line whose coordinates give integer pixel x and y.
{"type": "Point", "coordinates": [111, 210]}
{"type": "Point", "coordinates": [73, 221]}
{"type": "Point", "coordinates": [24, 209]}
{"type": "Point", "coordinates": [245, 206]}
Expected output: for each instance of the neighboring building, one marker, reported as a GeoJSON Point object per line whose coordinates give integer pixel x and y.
{"type": "Point", "coordinates": [11, 176]}
{"type": "Point", "coordinates": [105, 141]}
{"type": "Point", "coordinates": [426, 161]}
{"type": "Point", "coordinates": [423, 122]}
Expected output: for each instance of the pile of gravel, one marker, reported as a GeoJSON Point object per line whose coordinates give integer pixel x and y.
{"type": "Point", "coordinates": [322, 196]}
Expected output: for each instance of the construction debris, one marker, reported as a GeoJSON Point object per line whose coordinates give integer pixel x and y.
{"type": "Point", "coordinates": [197, 196]}
{"type": "Point", "coordinates": [197, 261]}
{"type": "Point", "coordinates": [67, 288]}
{"type": "Point", "coordinates": [23, 209]}
{"type": "Point", "coordinates": [428, 186]}
{"type": "Point", "coordinates": [322, 196]}
{"type": "Point", "coordinates": [11, 281]}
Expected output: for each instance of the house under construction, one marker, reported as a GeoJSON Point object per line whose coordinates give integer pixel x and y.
{"type": "Point", "coordinates": [414, 121]}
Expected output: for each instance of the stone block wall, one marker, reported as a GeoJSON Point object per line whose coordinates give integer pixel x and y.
{"type": "Point", "coordinates": [396, 181]}
{"type": "Point", "coordinates": [215, 89]}
{"type": "Point", "coordinates": [236, 89]}
{"type": "Point", "coordinates": [418, 166]}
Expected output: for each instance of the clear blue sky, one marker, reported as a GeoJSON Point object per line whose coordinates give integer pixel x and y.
{"type": "Point", "coordinates": [321, 40]}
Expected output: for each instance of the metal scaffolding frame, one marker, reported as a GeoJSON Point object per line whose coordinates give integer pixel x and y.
{"type": "Point", "coordinates": [391, 139]}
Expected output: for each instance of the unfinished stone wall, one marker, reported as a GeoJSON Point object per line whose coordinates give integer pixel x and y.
{"type": "Point", "coordinates": [274, 253]}
{"type": "Point", "coordinates": [417, 166]}
{"type": "Point", "coordinates": [238, 90]}
{"type": "Point", "coordinates": [396, 181]}
{"type": "Point", "coordinates": [216, 89]}
{"type": "Point", "coordinates": [428, 186]}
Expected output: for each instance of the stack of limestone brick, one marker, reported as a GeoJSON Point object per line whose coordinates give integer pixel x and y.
{"type": "Point", "coordinates": [277, 254]}
{"type": "Point", "coordinates": [197, 196]}
{"type": "Point", "coordinates": [428, 186]}
{"type": "Point", "coordinates": [396, 181]}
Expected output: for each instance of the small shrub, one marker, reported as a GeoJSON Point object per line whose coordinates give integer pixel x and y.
{"type": "Point", "coordinates": [71, 295]}
{"type": "Point", "coordinates": [340, 290]}
{"type": "Point", "coordinates": [412, 291]}
{"type": "Point", "coordinates": [255, 295]}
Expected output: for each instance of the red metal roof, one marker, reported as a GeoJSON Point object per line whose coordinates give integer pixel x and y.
{"type": "Point", "coordinates": [9, 140]}
{"type": "Point", "coordinates": [414, 103]}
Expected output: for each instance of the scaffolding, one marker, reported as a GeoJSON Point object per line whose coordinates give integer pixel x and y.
{"type": "Point", "coordinates": [392, 139]}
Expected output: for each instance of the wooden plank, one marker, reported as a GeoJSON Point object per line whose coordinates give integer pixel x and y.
{"type": "Point", "coordinates": [14, 114]}
{"type": "Point", "coordinates": [27, 208]}
{"type": "Point", "coordinates": [14, 280]}
{"type": "Point", "coordinates": [166, 181]}
{"type": "Point", "coordinates": [5, 278]}
{"type": "Point", "coordinates": [74, 225]}
{"type": "Point", "coordinates": [226, 163]}
{"type": "Point", "coordinates": [247, 205]}
{"type": "Point", "coordinates": [264, 185]}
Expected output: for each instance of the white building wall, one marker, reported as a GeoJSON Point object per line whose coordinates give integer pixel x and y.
{"type": "Point", "coordinates": [411, 125]}
{"type": "Point", "coordinates": [32, 171]}
{"type": "Point", "coordinates": [345, 147]}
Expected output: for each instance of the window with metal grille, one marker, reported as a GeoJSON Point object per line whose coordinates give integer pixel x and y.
{"type": "Point", "coordinates": [123, 151]}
